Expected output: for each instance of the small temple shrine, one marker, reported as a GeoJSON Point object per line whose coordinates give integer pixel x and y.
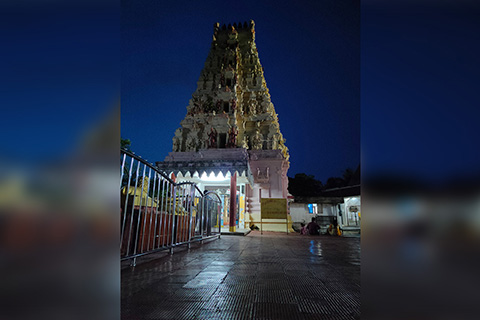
{"type": "Point", "coordinates": [230, 140]}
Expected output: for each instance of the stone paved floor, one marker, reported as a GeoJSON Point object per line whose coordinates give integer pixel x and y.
{"type": "Point", "coordinates": [273, 276]}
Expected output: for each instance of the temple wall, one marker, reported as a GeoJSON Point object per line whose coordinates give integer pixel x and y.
{"type": "Point", "coordinates": [269, 169]}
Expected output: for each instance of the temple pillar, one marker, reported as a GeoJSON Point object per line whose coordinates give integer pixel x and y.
{"type": "Point", "coordinates": [233, 201]}
{"type": "Point", "coordinates": [241, 206]}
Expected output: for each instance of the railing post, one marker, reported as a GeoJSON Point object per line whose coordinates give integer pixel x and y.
{"type": "Point", "coordinates": [132, 213]}
{"type": "Point", "coordinates": [139, 211]}
{"type": "Point", "coordinates": [123, 168]}
{"type": "Point", "coordinates": [125, 207]}
{"type": "Point", "coordinates": [157, 212]}
{"type": "Point", "coordinates": [207, 220]}
{"type": "Point", "coordinates": [151, 210]}
{"type": "Point", "coordinates": [163, 211]}
{"type": "Point", "coordinates": [201, 217]}
{"type": "Point", "coordinates": [192, 197]}
{"type": "Point", "coordinates": [180, 224]}
{"type": "Point", "coordinates": [219, 221]}
{"type": "Point", "coordinates": [174, 200]}
{"type": "Point", "coordinates": [145, 211]}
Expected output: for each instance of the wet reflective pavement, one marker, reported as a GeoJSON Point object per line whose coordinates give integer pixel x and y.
{"type": "Point", "coordinates": [273, 276]}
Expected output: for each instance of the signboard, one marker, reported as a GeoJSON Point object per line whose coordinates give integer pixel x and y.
{"type": "Point", "coordinates": [273, 208]}
{"type": "Point", "coordinates": [353, 209]}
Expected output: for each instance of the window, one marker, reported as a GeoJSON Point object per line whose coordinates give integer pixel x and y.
{"type": "Point", "coordinates": [312, 208]}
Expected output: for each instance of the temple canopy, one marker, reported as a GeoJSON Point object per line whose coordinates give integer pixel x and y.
{"type": "Point", "coordinates": [207, 167]}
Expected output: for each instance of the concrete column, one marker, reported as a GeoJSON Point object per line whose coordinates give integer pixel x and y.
{"type": "Point", "coordinates": [233, 201]}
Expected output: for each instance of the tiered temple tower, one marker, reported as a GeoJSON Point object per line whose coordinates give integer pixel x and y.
{"type": "Point", "coordinates": [231, 118]}
{"type": "Point", "coordinates": [231, 106]}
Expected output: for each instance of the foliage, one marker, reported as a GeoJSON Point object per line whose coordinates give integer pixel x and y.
{"type": "Point", "coordinates": [304, 185]}
{"type": "Point", "coordinates": [335, 182]}
{"type": "Point", "coordinates": [307, 186]}
{"type": "Point", "coordinates": [349, 178]}
{"type": "Point", "coordinates": [125, 144]}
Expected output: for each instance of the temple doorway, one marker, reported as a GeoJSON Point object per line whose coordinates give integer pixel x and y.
{"type": "Point", "coordinates": [224, 193]}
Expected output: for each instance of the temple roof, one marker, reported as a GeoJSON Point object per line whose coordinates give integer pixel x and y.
{"type": "Point", "coordinates": [200, 166]}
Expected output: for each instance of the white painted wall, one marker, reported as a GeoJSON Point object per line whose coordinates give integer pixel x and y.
{"type": "Point", "coordinates": [299, 211]}
{"type": "Point", "coordinates": [353, 219]}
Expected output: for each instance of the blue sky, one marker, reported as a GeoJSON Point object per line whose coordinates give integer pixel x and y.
{"type": "Point", "coordinates": [310, 52]}
{"type": "Point", "coordinates": [420, 88]}
{"type": "Point", "coordinates": [59, 75]}
{"type": "Point", "coordinates": [401, 92]}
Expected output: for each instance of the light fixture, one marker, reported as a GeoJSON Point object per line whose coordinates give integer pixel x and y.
{"type": "Point", "coordinates": [212, 177]}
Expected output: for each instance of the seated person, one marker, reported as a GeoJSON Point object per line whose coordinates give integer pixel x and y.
{"type": "Point", "coordinates": [313, 227]}
{"type": "Point", "coordinates": [304, 229]}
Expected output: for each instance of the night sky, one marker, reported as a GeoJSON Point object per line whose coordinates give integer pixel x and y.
{"type": "Point", "coordinates": [420, 89]}
{"type": "Point", "coordinates": [59, 75]}
{"type": "Point", "coordinates": [310, 52]}
{"type": "Point", "coordinates": [419, 78]}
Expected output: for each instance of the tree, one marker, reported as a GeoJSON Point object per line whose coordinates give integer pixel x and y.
{"type": "Point", "coordinates": [304, 185]}
{"type": "Point", "coordinates": [125, 144]}
{"type": "Point", "coordinates": [334, 182]}
{"type": "Point", "coordinates": [347, 175]}
{"type": "Point", "coordinates": [349, 178]}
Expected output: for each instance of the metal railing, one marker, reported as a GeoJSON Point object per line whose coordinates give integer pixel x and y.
{"type": "Point", "coordinates": [159, 214]}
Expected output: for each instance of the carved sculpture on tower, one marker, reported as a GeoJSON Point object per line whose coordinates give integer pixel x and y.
{"type": "Point", "coordinates": [257, 141]}
{"type": "Point", "coordinates": [245, 143]}
{"type": "Point", "coordinates": [275, 139]}
{"type": "Point", "coordinates": [252, 107]}
{"type": "Point", "coordinates": [232, 137]}
{"type": "Point", "coordinates": [190, 144]}
{"type": "Point", "coordinates": [177, 140]}
{"type": "Point", "coordinates": [212, 138]}
{"type": "Point", "coordinates": [176, 144]}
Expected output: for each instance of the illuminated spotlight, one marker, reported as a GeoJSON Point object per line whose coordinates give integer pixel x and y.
{"type": "Point", "coordinates": [212, 177]}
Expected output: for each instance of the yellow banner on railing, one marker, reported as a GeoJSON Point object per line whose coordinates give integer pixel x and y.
{"type": "Point", "coordinates": [273, 208]}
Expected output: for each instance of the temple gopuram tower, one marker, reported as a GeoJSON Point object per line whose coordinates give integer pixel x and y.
{"type": "Point", "coordinates": [230, 137]}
